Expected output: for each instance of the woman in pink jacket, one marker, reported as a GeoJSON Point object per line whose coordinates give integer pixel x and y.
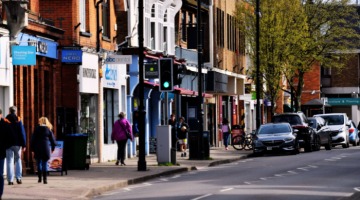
{"type": "Point", "coordinates": [121, 126]}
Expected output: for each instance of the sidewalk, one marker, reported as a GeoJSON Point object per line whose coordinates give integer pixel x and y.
{"type": "Point", "coordinates": [101, 177]}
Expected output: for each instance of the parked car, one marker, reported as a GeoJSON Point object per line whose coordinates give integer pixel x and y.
{"type": "Point", "coordinates": [299, 121]}
{"type": "Point", "coordinates": [353, 134]}
{"type": "Point", "coordinates": [275, 137]}
{"type": "Point", "coordinates": [323, 133]}
{"type": "Point", "coordinates": [339, 126]}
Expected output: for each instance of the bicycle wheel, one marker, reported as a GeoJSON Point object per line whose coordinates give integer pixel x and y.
{"type": "Point", "coordinates": [248, 144]}
{"type": "Point", "coordinates": [238, 142]}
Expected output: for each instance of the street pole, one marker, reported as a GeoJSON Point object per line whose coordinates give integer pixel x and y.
{"type": "Point", "coordinates": [292, 97]}
{"type": "Point", "coordinates": [142, 112]}
{"type": "Point", "coordinates": [200, 98]}
{"type": "Point", "coordinates": [166, 109]}
{"type": "Point", "coordinates": [258, 114]}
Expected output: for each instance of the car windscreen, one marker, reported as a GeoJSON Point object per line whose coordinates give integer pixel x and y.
{"type": "Point", "coordinates": [332, 120]}
{"type": "Point", "coordinates": [291, 119]}
{"type": "Point", "coordinates": [274, 129]}
{"type": "Point", "coordinates": [314, 122]}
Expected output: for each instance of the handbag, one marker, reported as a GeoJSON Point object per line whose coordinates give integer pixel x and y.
{"type": "Point", "coordinates": [230, 131]}
{"type": "Point", "coordinates": [127, 133]}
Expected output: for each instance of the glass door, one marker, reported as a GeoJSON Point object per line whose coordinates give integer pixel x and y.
{"type": "Point", "coordinates": [88, 121]}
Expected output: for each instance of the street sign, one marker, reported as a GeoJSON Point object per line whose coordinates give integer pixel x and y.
{"type": "Point", "coordinates": [343, 101]}
{"type": "Point", "coordinates": [152, 71]}
{"type": "Point", "coordinates": [71, 57]}
{"type": "Point", "coordinates": [24, 55]}
{"type": "Point", "coordinates": [118, 59]}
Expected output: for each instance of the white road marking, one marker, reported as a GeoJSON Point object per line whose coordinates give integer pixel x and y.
{"type": "Point", "coordinates": [329, 160]}
{"type": "Point", "coordinates": [202, 197]}
{"type": "Point", "coordinates": [226, 189]}
{"type": "Point", "coordinates": [357, 189]}
{"type": "Point", "coordinates": [336, 158]}
{"type": "Point", "coordinates": [312, 166]}
{"type": "Point", "coordinates": [177, 176]}
{"type": "Point", "coordinates": [164, 179]}
{"type": "Point", "coordinates": [147, 184]}
{"type": "Point", "coordinates": [303, 168]}
{"type": "Point", "coordinates": [248, 183]}
{"type": "Point", "coordinates": [292, 172]}
{"type": "Point", "coordinates": [128, 189]}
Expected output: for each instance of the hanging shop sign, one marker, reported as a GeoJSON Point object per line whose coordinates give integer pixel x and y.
{"type": "Point", "coordinates": [151, 71]}
{"type": "Point", "coordinates": [23, 55]}
{"type": "Point", "coordinates": [44, 46]}
{"type": "Point", "coordinates": [111, 79]}
{"type": "Point", "coordinates": [118, 59]}
{"type": "Point", "coordinates": [89, 74]}
{"type": "Point", "coordinates": [343, 101]}
{"type": "Point", "coordinates": [71, 57]}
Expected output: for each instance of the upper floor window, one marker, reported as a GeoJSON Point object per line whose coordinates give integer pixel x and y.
{"type": "Point", "coordinates": [183, 26]}
{"type": "Point", "coordinates": [82, 14]}
{"type": "Point", "coordinates": [190, 19]}
{"type": "Point", "coordinates": [153, 10]}
{"type": "Point", "coordinates": [106, 19]}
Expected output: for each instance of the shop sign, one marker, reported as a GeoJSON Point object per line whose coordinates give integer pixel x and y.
{"type": "Point", "coordinates": [89, 74]}
{"type": "Point", "coordinates": [111, 79]}
{"type": "Point", "coordinates": [44, 47]}
{"type": "Point", "coordinates": [56, 158]}
{"type": "Point", "coordinates": [118, 59]}
{"type": "Point", "coordinates": [24, 55]}
{"type": "Point", "coordinates": [151, 71]}
{"type": "Point", "coordinates": [343, 101]}
{"type": "Point", "coordinates": [71, 57]}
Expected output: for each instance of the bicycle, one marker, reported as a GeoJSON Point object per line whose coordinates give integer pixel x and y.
{"type": "Point", "coordinates": [241, 142]}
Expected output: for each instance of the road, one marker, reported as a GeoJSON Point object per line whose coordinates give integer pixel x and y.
{"type": "Point", "coordinates": [318, 175]}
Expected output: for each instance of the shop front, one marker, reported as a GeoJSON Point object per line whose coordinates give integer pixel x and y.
{"type": "Point", "coordinates": [350, 106]}
{"type": "Point", "coordinates": [89, 104]}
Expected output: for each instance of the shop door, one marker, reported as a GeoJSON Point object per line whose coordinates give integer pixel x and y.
{"type": "Point", "coordinates": [88, 121]}
{"type": "Point", "coordinates": [110, 110]}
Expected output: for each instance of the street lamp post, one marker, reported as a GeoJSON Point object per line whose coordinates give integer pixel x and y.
{"type": "Point", "coordinates": [142, 112]}
{"type": "Point", "coordinates": [200, 98]}
{"type": "Point", "coordinates": [258, 113]}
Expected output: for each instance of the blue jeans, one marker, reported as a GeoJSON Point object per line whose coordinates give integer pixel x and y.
{"type": "Point", "coordinates": [1, 176]}
{"type": "Point", "coordinates": [41, 165]}
{"type": "Point", "coordinates": [14, 151]}
{"type": "Point", "coordinates": [226, 138]}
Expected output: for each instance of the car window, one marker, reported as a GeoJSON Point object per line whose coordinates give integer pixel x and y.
{"type": "Point", "coordinates": [274, 129]}
{"type": "Point", "coordinates": [305, 118]}
{"type": "Point", "coordinates": [333, 119]}
{"type": "Point", "coordinates": [314, 122]}
{"type": "Point", "coordinates": [291, 119]}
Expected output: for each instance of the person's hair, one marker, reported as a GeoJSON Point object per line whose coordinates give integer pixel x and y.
{"type": "Point", "coordinates": [225, 121]}
{"type": "Point", "coordinates": [172, 115]}
{"type": "Point", "coordinates": [121, 115]}
{"type": "Point", "coordinates": [183, 118]}
{"type": "Point", "coordinates": [13, 109]}
{"type": "Point", "coordinates": [45, 121]}
{"type": "Point", "coordinates": [0, 111]}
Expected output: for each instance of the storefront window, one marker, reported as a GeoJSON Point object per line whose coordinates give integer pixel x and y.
{"type": "Point", "coordinates": [111, 110]}
{"type": "Point", "coordinates": [88, 121]}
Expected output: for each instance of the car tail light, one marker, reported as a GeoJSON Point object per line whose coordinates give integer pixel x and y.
{"type": "Point", "coordinates": [351, 130]}
{"type": "Point", "coordinates": [299, 127]}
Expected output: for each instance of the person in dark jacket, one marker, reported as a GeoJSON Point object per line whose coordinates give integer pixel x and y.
{"type": "Point", "coordinates": [7, 139]}
{"type": "Point", "coordinates": [15, 150]}
{"type": "Point", "coordinates": [39, 144]}
{"type": "Point", "coordinates": [182, 130]}
{"type": "Point", "coordinates": [172, 123]}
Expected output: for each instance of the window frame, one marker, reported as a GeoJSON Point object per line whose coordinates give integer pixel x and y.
{"type": "Point", "coordinates": [105, 13]}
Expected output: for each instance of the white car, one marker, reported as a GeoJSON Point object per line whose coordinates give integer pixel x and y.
{"type": "Point", "coordinates": [339, 125]}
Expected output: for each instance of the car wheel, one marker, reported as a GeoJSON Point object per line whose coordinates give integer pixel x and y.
{"type": "Point", "coordinates": [317, 144]}
{"type": "Point", "coordinates": [308, 148]}
{"type": "Point", "coordinates": [296, 150]}
{"type": "Point", "coordinates": [329, 145]}
{"type": "Point", "coordinates": [354, 144]}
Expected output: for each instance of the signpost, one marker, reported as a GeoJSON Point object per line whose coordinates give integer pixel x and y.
{"type": "Point", "coordinates": [24, 55]}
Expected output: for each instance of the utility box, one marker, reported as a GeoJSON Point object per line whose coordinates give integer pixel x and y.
{"type": "Point", "coordinates": [163, 151]}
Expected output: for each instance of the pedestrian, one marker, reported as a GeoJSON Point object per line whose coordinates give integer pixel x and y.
{"type": "Point", "coordinates": [15, 150]}
{"type": "Point", "coordinates": [39, 144]}
{"type": "Point", "coordinates": [226, 132]}
{"type": "Point", "coordinates": [182, 130]}
{"type": "Point", "coordinates": [121, 133]}
{"type": "Point", "coordinates": [7, 140]}
{"type": "Point", "coordinates": [172, 123]}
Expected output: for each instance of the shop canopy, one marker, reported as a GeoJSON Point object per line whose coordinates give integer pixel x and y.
{"type": "Point", "coordinates": [315, 103]}
{"type": "Point", "coordinates": [177, 90]}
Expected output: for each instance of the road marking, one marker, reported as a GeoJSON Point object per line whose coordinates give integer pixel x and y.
{"type": "Point", "coordinates": [303, 168]}
{"type": "Point", "coordinates": [164, 179]}
{"type": "Point", "coordinates": [147, 183]}
{"type": "Point", "coordinates": [177, 176]}
{"type": "Point", "coordinates": [357, 189]}
{"type": "Point", "coordinates": [292, 172]}
{"type": "Point", "coordinates": [248, 183]}
{"type": "Point", "coordinates": [336, 158]}
{"type": "Point", "coordinates": [312, 166]}
{"type": "Point", "coordinates": [202, 197]}
{"type": "Point", "coordinates": [128, 189]}
{"type": "Point", "coordinates": [226, 189]}
{"type": "Point", "coordinates": [330, 160]}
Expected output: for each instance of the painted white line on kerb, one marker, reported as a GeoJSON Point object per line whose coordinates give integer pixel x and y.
{"type": "Point", "coordinates": [202, 197]}
{"type": "Point", "coordinates": [227, 189]}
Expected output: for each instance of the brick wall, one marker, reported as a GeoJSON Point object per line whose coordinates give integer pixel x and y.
{"type": "Point", "coordinates": [348, 76]}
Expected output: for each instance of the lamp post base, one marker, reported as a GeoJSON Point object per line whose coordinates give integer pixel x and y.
{"type": "Point", "coordinates": [142, 165]}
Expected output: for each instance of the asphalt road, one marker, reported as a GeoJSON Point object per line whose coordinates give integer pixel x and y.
{"type": "Point", "coordinates": [318, 175]}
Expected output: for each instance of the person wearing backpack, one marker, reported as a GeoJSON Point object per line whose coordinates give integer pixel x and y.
{"type": "Point", "coordinates": [7, 139]}
{"type": "Point", "coordinates": [226, 132]}
{"type": "Point", "coordinates": [121, 133]}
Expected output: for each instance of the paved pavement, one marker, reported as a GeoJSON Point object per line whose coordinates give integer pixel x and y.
{"type": "Point", "coordinates": [79, 184]}
{"type": "Point", "coordinates": [328, 175]}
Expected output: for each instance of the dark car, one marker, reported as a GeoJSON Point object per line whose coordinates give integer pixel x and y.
{"type": "Point", "coordinates": [323, 133]}
{"type": "Point", "coordinates": [275, 137]}
{"type": "Point", "coordinates": [300, 122]}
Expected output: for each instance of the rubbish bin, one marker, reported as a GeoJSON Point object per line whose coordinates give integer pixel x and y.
{"type": "Point", "coordinates": [76, 151]}
{"type": "Point", "coordinates": [194, 145]}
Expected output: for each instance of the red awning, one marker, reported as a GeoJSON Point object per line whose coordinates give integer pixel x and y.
{"type": "Point", "coordinates": [178, 90]}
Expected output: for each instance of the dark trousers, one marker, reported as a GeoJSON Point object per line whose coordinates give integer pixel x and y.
{"type": "Point", "coordinates": [1, 176]}
{"type": "Point", "coordinates": [226, 138]}
{"type": "Point", "coordinates": [121, 150]}
{"type": "Point", "coordinates": [41, 165]}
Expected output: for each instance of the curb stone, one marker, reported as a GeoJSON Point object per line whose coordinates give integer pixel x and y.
{"type": "Point", "coordinates": [219, 162]}
{"type": "Point", "coordinates": [354, 196]}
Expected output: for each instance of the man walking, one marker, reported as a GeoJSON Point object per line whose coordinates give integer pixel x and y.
{"type": "Point", "coordinates": [182, 130]}
{"type": "Point", "coordinates": [15, 150]}
{"type": "Point", "coordinates": [6, 141]}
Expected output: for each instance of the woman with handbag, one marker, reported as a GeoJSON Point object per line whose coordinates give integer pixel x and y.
{"type": "Point", "coordinates": [226, 132]}
{"type": "Point", "coordinates": [121, 133]}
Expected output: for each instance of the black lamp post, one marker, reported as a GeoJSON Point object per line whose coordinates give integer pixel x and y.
{"type": "Point", "coordinates": [200, 98]}
{"type": "Point", "coordinates": [142, 112]}
{"type": "Point", "coordinates": [258, 113]}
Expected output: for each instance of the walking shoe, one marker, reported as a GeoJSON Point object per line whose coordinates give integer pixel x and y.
{"type": "Point", "coordinates": [18, 181]}
{"type": "Point", "coordinates": [182, 155]}
{"type": "Point", "coordinates": [11, 183]}
{"type": "Point", "coordinates": [39, 176]}
{"type": "Point", "coordinates": [45, 177]}
{"type": "Point", "coordinates": [185, 154]}
{"type": "Point", "coordinates": [123, 164]}
{"type": "Point", "coordinates": [117, 163]}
